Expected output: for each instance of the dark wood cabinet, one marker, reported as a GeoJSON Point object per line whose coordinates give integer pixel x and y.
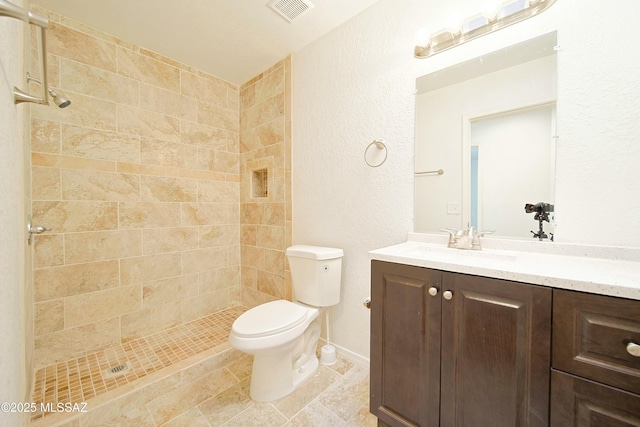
{"type": "Point", "coordinates": [450, 349]}
{"type": "Point", "coordinates": [580, 402]}
{"type": "Point", "coordinates": [596, 360]}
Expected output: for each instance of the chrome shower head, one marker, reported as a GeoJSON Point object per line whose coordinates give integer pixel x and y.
{"type": "Point", "coordinates": [59, 98]}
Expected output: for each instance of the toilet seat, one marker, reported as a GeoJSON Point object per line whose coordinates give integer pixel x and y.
{"type": "Point", "coordinates": [269, 319]}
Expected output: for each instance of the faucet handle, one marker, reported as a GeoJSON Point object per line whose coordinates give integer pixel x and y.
{"type": "Point", "coordinates": [476, 239]}
{"type": "Point", "coordinates": [453, 236]}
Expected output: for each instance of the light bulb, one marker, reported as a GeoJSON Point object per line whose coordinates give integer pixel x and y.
{"type": "Point", "coordinates": [490, 10]}
{"type": "Point", "coordinates": [454, 24]}
{"type": "Point", "coordinates": [423, 37]}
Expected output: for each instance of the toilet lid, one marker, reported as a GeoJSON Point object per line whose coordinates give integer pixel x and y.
{"type": "Point", "coordinates": [269, 318]}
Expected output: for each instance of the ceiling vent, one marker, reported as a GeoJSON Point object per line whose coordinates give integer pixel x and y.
{"type": "Point", "coordinates": [290, 9]}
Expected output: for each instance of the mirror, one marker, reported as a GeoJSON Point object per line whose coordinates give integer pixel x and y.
{"type": "Point", "coordinates": [488, 126]}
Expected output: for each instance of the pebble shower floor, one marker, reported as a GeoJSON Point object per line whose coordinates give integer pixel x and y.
{"type": "Point", "coordinates": [83, 378]}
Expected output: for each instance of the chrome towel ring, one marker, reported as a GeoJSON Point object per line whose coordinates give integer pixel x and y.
{"type": "Point", "coordinates": [379, 143]}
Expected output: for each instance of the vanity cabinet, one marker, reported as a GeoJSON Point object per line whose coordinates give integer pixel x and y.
{"type": "Point", "coordinates": [595, 379]}
{"type": "Point", "coordinates": [450, 349]}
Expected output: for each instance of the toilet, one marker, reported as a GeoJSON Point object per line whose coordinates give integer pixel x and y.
{"type": "Point", "coordinates": [282, 335]}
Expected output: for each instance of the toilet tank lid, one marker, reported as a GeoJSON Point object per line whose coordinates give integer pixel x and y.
{"type": "Point", "coordinates": [314, 252]}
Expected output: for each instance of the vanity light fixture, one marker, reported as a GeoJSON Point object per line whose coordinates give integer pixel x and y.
{"type": "Point", "coordinates": [493, 17]}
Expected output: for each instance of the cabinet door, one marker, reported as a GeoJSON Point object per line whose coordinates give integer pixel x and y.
{"type": "Point", "coordinates": [405, 345]}
{"type": "Point", "coordinates": [576, 402]}
{"type": "Point", "coordinates": [495, 353]}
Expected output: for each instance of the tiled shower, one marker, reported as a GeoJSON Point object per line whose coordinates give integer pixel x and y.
{"type": "Point", "coordinates": [147, 183]}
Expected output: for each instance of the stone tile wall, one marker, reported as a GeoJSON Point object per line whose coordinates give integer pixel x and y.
{"type": "Point", "coordinates": [265, 145]}
{"type": "Point", "coordinates": [140, 182]}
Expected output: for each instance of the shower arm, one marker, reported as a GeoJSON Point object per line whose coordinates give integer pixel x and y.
{"type": "Point", "coordinates": [12, 11]}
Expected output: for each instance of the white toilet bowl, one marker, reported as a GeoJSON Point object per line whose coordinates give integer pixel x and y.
{"type": "Point", "coordinates": [282, 337]}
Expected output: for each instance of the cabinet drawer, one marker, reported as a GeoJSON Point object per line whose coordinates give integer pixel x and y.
{"type": "Point", "coordinates": [591, 335]}
{"type": "Point", "coordinates": [579, 402]}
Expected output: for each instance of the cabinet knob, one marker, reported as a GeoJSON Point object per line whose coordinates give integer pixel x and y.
{"type": "Point", "coordinates": [633, 349]}
{"type": "Point", "coordinates": [433, 291]}
{"type": "Point", "coordinates": [447, 295]}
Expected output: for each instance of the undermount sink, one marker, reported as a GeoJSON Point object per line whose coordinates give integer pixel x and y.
{"type": "Point", "coordinates": [431, 251]}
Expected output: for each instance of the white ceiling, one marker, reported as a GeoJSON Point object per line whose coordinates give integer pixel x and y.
{"type": "Point", "coordinates": [232, 39]}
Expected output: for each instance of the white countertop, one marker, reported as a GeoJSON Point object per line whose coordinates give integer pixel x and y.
{"type": "Point", "coordinates": [605, 270]}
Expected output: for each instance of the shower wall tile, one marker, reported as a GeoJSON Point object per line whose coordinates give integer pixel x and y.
{"type": "Point", "coordinates": [152, 267]}
{"type": "Point", "coordinates": [271, 237]}
{"type": "Point", "coordinates": [248, 234]}
{"type": "Point", "coordinates": [218, 192]}
{"type": "Point", "coordinates": [217, 235]}
{"type": "Point", "coordinates": [94, 306]}
{"type": "Point", "coordinates": [218, 161]}
{"type": "Point", "coordinates": [263, 112]}
{"type": "Point", "coordinates": [68, 162]}
{"type": "Point", "coordinates": [148, 70]}
{"type": "Point", "coordinates": [62, 281]}
{"type": "Point", "coordinates": [168, 154]}
{"type": "Point", "coordinates": [65, 42]}
{"type": "Point", "coordinates": [168, 189]}
{"type": "Point", "coordinates": [199, 260]}
{"type": "Point", "coordinates": [196, 307]}
{"type": "Point", "coordinates": [141, 169]}
{"type": "Point", "coordinates": [102, 245]}
{"type": "Point", "coordinates": [204, 136]}
{"type": "Point", "coordinates": [160, 240]}
{"type": "Point", "coordinates": [167, 102]}
{"type": "Point", "coordinates": [263, 143]}
{"type": "Point", "coordinates": [48, 250]}
{"type": "Point", "coordinates": [216, 280]}
{"type": "Point", "coordinates": [213, 115]}
{"type": "Point", "coordinates": [148, 124]}
{"type": "Point", "coordinates": [205, 214]}
{"type": "Point", "coordinates": [144, 182]}
{"type": "Point", "coordinates": [274, 214]}
{"type": "Point", "coordinates": [90, 185]}
{"type": "Point", "coordinates": [99, 83]}
{"type": "Point", "coordinates": [211, 89]}
{"type": "Point", "coordinates": [148, 215]}
{"type": "Point", "coordinates": [48, 316]}
{"type": "Point", "coordinates": [69, 216]}
{"type": "Point", "coordinates": [87, 111]}
{"type": "Point", "coordinates": [45, 136]}
{"type": "Point", "coordinates": [45, 183]}
{"type": "Point", "coordinates": [164, 291]}
{"type": "Point", "coordinates": [274, 261]}
{"type": "Point", "coordinates": [97, 144]}
{"type": "Point", "coordinates": [150, 320]}
{"type": "Point", "coordinates": [271, 284]}
{"type": "Point", "coordinates": [253, 257]}
{"type": "Point", "coordinates": [264, 135]}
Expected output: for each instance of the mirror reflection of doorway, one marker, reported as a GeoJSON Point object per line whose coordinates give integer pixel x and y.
{"type": "Point", "coordinates": [512, 159]}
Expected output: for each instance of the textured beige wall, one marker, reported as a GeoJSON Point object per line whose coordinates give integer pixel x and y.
{"type": "Point", "coordinates": [265, 143]}
{"type": "Point", "coordinates": [139, 181]}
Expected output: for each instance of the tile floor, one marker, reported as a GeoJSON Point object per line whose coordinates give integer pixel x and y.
{"type": "Point", "coordinates": [336, 396]}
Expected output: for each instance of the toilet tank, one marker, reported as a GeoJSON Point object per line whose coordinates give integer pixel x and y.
{"type": "Point", "coordinates": [316, 274]}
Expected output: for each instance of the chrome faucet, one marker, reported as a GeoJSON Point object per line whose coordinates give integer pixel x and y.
{"type": "Point", "coordinates": [465, 239]}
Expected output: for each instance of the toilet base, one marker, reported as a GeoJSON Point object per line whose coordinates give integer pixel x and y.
{"type": "Point", "coordinates": [278, 372]}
